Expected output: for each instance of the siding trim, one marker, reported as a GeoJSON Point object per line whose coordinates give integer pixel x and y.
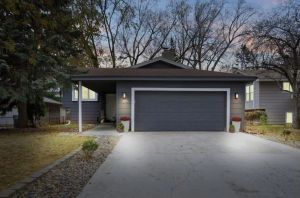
{"type": "Point", "coordinates": [134, 89]}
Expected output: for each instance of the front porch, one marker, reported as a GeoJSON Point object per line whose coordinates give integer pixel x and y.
{"type": "Point", "coordinates": [106, 91]}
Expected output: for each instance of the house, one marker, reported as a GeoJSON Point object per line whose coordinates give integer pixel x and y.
{"type": "Point", "coordinates": [54, 114]}
{"type": "Point", "coordinates": [272, 93]}
{"type": "Point", "coordinates": [158, 95]}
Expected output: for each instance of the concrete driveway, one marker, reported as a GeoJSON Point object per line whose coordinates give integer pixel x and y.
{"type": "Point", "coordinates": [205, 164]}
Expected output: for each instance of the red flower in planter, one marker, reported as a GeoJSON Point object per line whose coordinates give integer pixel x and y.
{"type": "Point", "coordinates": [125, 118]}
{"type": "Point", "coordinates": [236, 119]}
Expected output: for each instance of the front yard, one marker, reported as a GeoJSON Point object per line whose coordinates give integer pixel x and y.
{"type": "Point", "coordinates": [25, 151]}
{"type": "Point", "coordinates": [276, 133]}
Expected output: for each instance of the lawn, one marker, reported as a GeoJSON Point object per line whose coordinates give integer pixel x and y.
{"type": "Point", "coordinates": [25, 151]}
{"type": "Point", "coordinates": [51, 128]}
{"type": "Point", "coordinates": [275, 133]}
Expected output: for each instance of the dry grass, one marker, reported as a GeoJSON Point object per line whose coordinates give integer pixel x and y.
{"type": "Point", "coordinates": [275, 132]}
{"type": "Point", "coordinates": [24, 152]}
{"type": "Point", "coordinates": [50, 128]}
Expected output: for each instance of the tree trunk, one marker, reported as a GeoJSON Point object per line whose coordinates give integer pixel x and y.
{"type": "Point", "coordinates": [95, 61]}
{"type": "Point", "coordinates": [23, 116]}
{"type": "Point", "coordinates": [296, 114]}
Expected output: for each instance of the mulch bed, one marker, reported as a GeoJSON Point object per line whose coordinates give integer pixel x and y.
{"type": "Point", "coordinates": [69, 177]}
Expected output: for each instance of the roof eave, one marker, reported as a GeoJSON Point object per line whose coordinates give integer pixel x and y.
{"type": "Point", "coordinates": [122, 78]}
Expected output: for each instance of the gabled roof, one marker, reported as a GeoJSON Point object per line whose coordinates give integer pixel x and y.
{"type": "Point", "coordinates": [158, 74]}
{"type": "Point", "coordinates": [51, 101]}
{"type": "Point", "coordinates": [171, 62]}
{"type": "Point", "coordinates": [262, 75]}
{"type": "Point", "coordinates": [146, 71]}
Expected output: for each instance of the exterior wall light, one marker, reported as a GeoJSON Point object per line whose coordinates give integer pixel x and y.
{"type": "Point", "coordinates": [236, 95]}
{"type": "Point", "coordinates": [124, 96]}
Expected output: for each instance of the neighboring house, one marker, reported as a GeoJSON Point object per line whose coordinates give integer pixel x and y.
{"type": "Point", "coordinates": [159, 95]}
{"type": "Point", "coordinates": [272, 93]}
{"type": "Point", "coordinates": [54, 114]}
{"type": "Point", "coordinates": [7, 120]}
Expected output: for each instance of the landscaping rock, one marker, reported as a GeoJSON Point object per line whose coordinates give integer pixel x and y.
{"type": "Point", "coordinates": [69, 177]}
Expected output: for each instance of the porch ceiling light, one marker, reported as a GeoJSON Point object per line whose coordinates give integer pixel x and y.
{"type": "Point", "coordinates": [236, 95]}
{"type": "Point", "coordinates": [124, 96]}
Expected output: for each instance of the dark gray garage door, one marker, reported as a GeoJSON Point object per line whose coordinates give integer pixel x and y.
{"type": "Point", "coordinates": [180, 111]}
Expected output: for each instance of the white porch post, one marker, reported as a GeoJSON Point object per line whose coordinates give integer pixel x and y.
{"type": "Point", "coordinates": [79, 106]}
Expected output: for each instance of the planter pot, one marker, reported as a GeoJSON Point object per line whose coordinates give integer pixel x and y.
{"type": "Point", "coordinates": [237, 126]}
{"type": "Point", "coordinates": [126, 125]}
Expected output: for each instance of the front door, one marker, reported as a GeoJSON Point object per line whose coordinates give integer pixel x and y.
{"type": "Point", "coordinates": [110, 106]}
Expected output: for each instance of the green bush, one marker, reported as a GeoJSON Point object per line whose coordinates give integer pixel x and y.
{"type": "Point", "coordinates": [263, 119]}
{"type": "Point", "coordinates": [89, 147]}
{"type": "Point", "coordinates": [231, 128]}
{"type": "Point", "coordinates": [120, 127]}
{"type": "Point", "coordinates": [286, 134]}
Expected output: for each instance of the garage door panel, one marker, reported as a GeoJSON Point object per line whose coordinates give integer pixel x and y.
{"type": "Point", "coordinates": [180, 111]}
{"type": "Point", "coordinates": [188, 107]}
{"type": "Point", "coordinates": [207, 106]}
{"type": "Point", "coordinates": [171, 117]}
{"type": "Point", "coordinates": [168, 126]}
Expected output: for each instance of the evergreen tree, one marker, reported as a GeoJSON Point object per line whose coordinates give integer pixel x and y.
{"type": "Point", "coordinates": [37, 40]}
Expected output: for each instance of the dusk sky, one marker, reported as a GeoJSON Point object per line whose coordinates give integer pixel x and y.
{"type": "Point", "coordinates": [258, 4]}
{"type": "Point", "coordinates": [263, 4]}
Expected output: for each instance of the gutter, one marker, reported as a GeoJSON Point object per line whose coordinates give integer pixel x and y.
{"type": "Point", "coordinates": [117, 78]}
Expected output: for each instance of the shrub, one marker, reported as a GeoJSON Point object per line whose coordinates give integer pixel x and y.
{"type": "Point", "coordinates": [236, 119]}
{"type": "Point", "coordinates": [125, 118]}
{"type": "Point", "coordinates": [231, 129]}
{"type": "Point", "coordinates": [252, 116]}
{"type": "Point", "coordinates": [286, 134]}
{"type": "Point", "coordinates": [263, 119]}
{"type": "Point", "coordinates": [89, 147]}
{"type": "Point", "coordinates": [120, 127]}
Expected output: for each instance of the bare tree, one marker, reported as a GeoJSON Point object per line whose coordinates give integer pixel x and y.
{"type": "Point", "coordinates": [114, 13]}
{"type": "Point", "coordinates": [144, 31]}
{"type": "Point", "coordinates": [206, 31]}
{"type": "Point", "coordinates": [274, 45]}
{"type": "Point", "coordinates": [235, 27]}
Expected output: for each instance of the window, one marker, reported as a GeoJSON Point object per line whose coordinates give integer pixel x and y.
{"type": "Point", "coordinates": [87, 94]}
{"type": "Point", "coordinates": [289, 117]}
{"type": "Point", "coordinates": [249, 93]}
{"type": "Point", "coordinates": [286, 86]}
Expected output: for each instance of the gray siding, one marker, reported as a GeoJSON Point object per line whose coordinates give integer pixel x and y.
{"type": "Point", "coordinates": [256, 94]}
{"type": "Point", "coordinates": [237, 105]}
{"type": "Point", "coordinates": [275, 101]}
{"type": "Point", "coordinates": [90, 109]}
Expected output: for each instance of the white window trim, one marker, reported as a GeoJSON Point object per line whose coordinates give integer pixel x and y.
{"type": "Point", "coordinates": [134, 89]}
{"type": "Point", "coordinates": [250, 93]}
{"type": "Point", "coordinates": [290, 87]}
{"type": "Point", "coordinates": [88, 100]}
{"type": "Point", "coordinates": [286, 118]}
